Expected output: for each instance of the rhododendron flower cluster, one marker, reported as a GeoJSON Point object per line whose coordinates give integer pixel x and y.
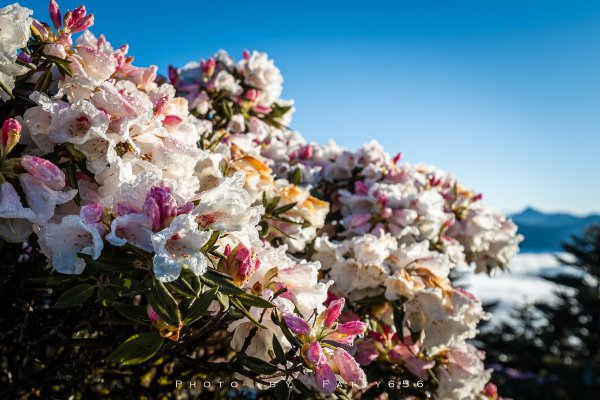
{"type": "Point", "coordinates": [186, 206]}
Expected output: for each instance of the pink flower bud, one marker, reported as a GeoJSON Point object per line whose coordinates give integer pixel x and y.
{"type": "Point", "coordinates": [11, 133]}
{"type": "Point", "coordinates": [208, 67]}
{"type": "Point", "coordinates": [78, 13]}
{"type": "Point", "coordinates": [314, 354]}
{"type": "Point", "coordinates": [333, 311]}
{"type": "Point", "coordinates": [240, 263]}
{"type": "Point", "coordinates": [352, 328]}
{"type": "Point", "coordinates": [160, 106]}
{"type": "Point", "coordinates": [246, 55]}
{"type": "Point", "coordinates": [153, 315]}
{"type": "Point", "coordinates": [349, 368]}
{"type": "Point", "coordinates": [68, 19]}
{"type": "Point", "coordinates": [54, 14]}
{"type": "Point", "coordinates": [490, 390]}
{"type": "Point", "coordinates": [305, 152]}
{"type": "Point", "coordinates": [397, 158]}
{"type": "Point", "coordinates": [296, 324]}
{"type": "Point", "coordinates": [164, 329]}
{"type": "Point", "coordinates": [262, 109]}
{"type": "Point", "coordinates": [45, 171]}
{"type": "Point", "coordinates": [478, 197]}
{"type": "Point", "coordinates": [325, 379]}
{"type": "Point", "coordinates": [83, 23]}
{"type": "Point", "coordinates": [173, 75]}
{"type": "Point", "coordinates": [172, 120]}
{"type": "Point", "coordinates": [252, 94]}
{"type": "Point", "coordinates": [361, 188]}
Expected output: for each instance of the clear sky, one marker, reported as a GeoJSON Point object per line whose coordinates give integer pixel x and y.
{"type": "Point", "coordinates": [506, 94]}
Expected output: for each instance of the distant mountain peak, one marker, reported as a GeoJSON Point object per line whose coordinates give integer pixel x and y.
{"type": "Point", "coordinates": [546, 231]}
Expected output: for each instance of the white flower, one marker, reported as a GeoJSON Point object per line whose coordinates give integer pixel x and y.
{"type": "Point", "coordinates": [15, 225]}
{"type": "Point", "coordinates": [463, 376]}
{"type": "Point", "coordinates": [63, 241]}
{"type": "Point", "coordinates": [131, 228]}
{"type": "Point", "coordinates": [444, 322]}
{"type": "Point", "coordinates": [260, 72]}
{"type": "Point", "coordinates": [178, 247]}
{"type": "Point", "coordinates": [227, 206]}
{"type": "Point", "coordinates": [15, 23]}
{"type": "Point", "coordinates": [41, 199]}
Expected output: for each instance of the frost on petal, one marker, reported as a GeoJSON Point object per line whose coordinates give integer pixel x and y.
{"type": "Point", "coordinates": [178, 247]}
{"type": "Point", "coordinates": [226, 207]}
{"type": "Point", "coordinates": [41, 199]}
{"type": "Point", "coordinates": [15, 225]}
{"type": "Point", "coordinates": [63, 241]}
{"type": "Point", "coordinates": [349, 369]}
{"type": "Point", "coordinates": [131, 228]}
{"type": "Point", "coordinates": [326, 381]}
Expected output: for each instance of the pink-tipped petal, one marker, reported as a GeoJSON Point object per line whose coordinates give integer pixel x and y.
{"type": "Point", "coordinates": [333, 311]}
{"type": "Point", "coordinates": [325, 378]}
{"type": "Point", "coordinates": [296, 324]}
{"type": "Point", "coordinates": [45, 171]}
{"type": "Point", "coordinates": [352, 328]}
{"type": "Point", "coordinates": [349, 368]}
{"type": "Point", "coordinates": [314, 353]}
{"type": "Point", "coordinates": [54, 14]}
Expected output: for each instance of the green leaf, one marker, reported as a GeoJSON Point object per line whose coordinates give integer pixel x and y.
{"type": "Point", "coordinates": [213, 278]}
{"type": "Point", "coordinates": [282, 209]}
{"type": "Point", "coordinates": [239, 306]}
{"type": "Point", "coordinates": [211, 242]}
{"type": "Point", "coordinates": [133, 313]}
{"type": "Point", "coordinates": [107, 296]}
{"type": "Point", "coordinates": [199, 307]}
{"type": "Point", "coordinates": [164, 304]}
{"type": "Point", "coordinates": [302, 388]}
{"type": "Point", "coordinates": [137, 349]}
{"type": "Point", "coordinates": [257, 365]}
{"type": "Point", "coordinates": [295, 177]}
{"type": "Point", "coordinates": [282, 391]}
{"type": "Point", "coordinates": [252, 300]}
{"type": "Point", "coordinates": [104, 265]}
{"type": "Point", "coordinates": [75, 296]}
{"type": "Point", "coordinates": [278, 350]}
{"type": "Point", "coordinates": [43, 83]}
{"type": "Point", "coordinates": [182, 287]}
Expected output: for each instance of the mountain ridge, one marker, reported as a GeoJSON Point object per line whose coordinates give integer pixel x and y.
{"type": "Point", "coordinates": [546, 231]}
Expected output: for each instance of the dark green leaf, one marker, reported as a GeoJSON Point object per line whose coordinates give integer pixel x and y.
{"type": "Point", "coordinates": [295, 177]}
{"type": "Point", "coordinates": [281, 391]}
{"type": "Point", "coordinates": [43, 83]}
{"type": "Point", "coordinates": [239, 306]}
{"type": "Point", "coordinates": [182, 287]}
{"type": "Point", "coordinates": [137, 349]}
{"type": "Point", "coordinates": [213, 278]}
{"type": "Point", "coordinates": [278, 350]}
{"type": "Point", "coordinates": [283, 209]}
{"type": "Point", "coordinates": [133, 313]}
{"type": "Point", "coordinates": [199, 307]}
{"type": "Point", "coordinates": [105, 265]}
{"type": "Point", "coordinates": [164, 304]}
{"type": "Point", "coordinates": [75, 296]}
{"type": "Point", "coordinates": [257, 365]}
{"type": "Point", "coordinates": [252, 300]}
{"type": "Point", "coordinates": [106, 296]}
{"type": "Point", "coordinates": [211, 242]}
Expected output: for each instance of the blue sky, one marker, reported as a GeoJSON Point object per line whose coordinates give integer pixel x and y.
{"type": "Point", "coordinates": [506, 94]}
